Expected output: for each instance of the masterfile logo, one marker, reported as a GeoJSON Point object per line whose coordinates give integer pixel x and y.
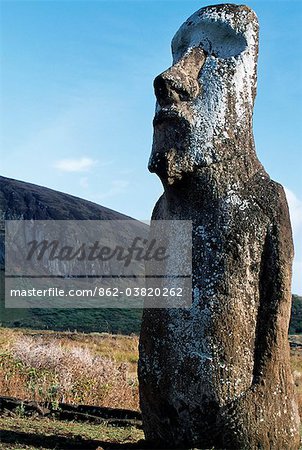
{"type": "Point", "coordinates": [106, 263]}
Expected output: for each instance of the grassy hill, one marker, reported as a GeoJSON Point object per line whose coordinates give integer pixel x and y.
{"type": "Point", "coordinates": [122, 321]}
{"type": "Point", "coordinates": [20, 200]}
{"type": "Point", "coordinates": [296, 317]}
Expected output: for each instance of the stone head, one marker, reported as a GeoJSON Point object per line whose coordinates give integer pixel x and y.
{"type": "Point", "coordinates": [205, 99]}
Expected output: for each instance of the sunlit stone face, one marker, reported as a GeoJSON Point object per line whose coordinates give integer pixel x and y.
{"type": "Point", "coordinates": [206, 98]}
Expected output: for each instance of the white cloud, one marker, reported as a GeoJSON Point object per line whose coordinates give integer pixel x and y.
{"type": "Point", "coordinates": [117, 187]}
{"type": "Point", "coordinates": [75, 165]}
{"type": "Point", "coordinates": [295, 209]}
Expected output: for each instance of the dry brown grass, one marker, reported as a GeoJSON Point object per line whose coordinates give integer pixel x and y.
{"type": "Point", "coordinates": [296, 362]}
{"type": "Point", "coordinates": [97, 369]}
{"type": "Point", "coordinates": [62, 368]}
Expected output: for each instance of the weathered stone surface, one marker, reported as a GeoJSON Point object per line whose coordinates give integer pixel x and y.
{"type": "Point", "coordinates": [218, 373]}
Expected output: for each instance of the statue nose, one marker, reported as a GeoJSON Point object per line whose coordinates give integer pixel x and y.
{"type": "Point", "coordinates": [180, 82]}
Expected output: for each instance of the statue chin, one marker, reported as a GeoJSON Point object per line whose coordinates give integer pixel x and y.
{"type": "Point", "coordinates": [171, 165]}
{"type": "Point", "coordinates": [171, 155]}
{"type": "Point", "coordinates": [172, 161]}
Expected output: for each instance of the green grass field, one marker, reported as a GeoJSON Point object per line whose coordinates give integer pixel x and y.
{"type": "Point", "coordinates": [36, 433]}
{"type": "Point", "coordinates": [87, 320]}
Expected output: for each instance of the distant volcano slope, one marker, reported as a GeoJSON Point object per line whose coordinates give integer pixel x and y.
{"type": "Point", "coordinates": [21, 200]}
{"type": "Point", "coordinates": [25, 201]}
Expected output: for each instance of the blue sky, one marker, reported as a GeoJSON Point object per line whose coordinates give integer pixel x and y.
{"type": "Point", "coordinates": [77, 98]}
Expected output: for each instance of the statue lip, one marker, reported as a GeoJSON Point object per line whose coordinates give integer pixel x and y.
{"type": "Point", "coordinates": [168, 114]}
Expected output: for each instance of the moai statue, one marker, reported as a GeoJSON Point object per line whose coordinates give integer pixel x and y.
{"type": "Point", "coordinates": [217, 374]}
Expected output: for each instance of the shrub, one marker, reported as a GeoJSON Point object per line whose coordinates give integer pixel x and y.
{"type": "Point", "coordinates": [48, 371]}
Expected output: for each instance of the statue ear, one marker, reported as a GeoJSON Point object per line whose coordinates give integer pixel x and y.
{"type": "Point", "coordinates": [217, 38]}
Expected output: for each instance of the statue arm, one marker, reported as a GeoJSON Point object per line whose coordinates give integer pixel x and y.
{"type": "Point", "coordinates": [275, 292]}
